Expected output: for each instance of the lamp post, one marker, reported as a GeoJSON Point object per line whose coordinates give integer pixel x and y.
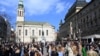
{"type": "Point", "coordinates": [17, 38]}
{"type": "Point", "coordinates": [23, 32]}
{"type": "Point", "coordinates": [42, 31]}
{"type": "Point", "coordinates": [71, 31]}
{"type": "Point", "coordinates": [43, 38]}
{"type": "Point", "coordinates": [79, 35]}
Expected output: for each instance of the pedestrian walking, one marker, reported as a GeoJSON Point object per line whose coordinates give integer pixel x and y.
{"type": "Point", "coordinates": [54, 51]}
{"type": "Point", "coordinates": [22, 51]}
{"type": "Point", "coordinates": [91, 52]}
{"type": "Point", "coordinates": [84, 51]}
{"type": "Point", "coordinates": [60, 52]}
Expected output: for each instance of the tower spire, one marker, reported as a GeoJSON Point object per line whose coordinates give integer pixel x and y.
{"type": "Point", "coordinates": [20, 5]}
{"type": "Point", "coordinates": [20, 11]}
{"type": "Point", "coordinates": [61, 22]}
{"type": "Point", "coordinates": [20, 1]}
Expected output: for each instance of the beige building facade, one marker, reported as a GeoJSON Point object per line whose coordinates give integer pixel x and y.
{"type": "Point", "coordinates": [83, 22]}
{"type": "Point", "coordinates": [27, 31]}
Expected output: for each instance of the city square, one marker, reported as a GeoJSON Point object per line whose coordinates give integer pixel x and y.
{"type": "Point", "coordinates": [50, 28]}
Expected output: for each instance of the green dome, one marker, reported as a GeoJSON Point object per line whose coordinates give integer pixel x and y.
{"type": "Point", "coordinates": [20, 6]}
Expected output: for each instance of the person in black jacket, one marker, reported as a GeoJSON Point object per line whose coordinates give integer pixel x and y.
{"type": "Point", "coordinates": [54, 51]}
{"type": "Point", "coordinates": [7, 51]}
{"type": "Point", "coordinates": [17, 51]}
{"type": "Point", "coordinates": [0, 50]}
{"type": "Point", "coordinates": [32, 53]}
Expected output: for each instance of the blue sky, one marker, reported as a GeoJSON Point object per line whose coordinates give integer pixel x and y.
{"type": "Point", "coordinates": [51, 11]}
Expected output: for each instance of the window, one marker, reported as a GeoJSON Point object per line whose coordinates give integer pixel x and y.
{"type": "Point", "coordinates": [95, 21]}
{"type": "Point", "coordinates": [94, 4]}
{"type": "Point", "coordinates": [83, 20]}
{"type": "Point", "coordinates": [87, 18]}
{"type": "Point", "coordinates": [33, 32]}
{"type": "Point", "coordinates": [99, 2]}
{"type": "Point", "coordinates": [91, 23]}
{"type": "Point", "coordinates": [42, 33]}
{"type": "Point", "coordinates": [19, 32]}
{"type": "Point", "coordinates": [25, 32]}
{"type": "Point", "coordinates": [47, 32]}
{"type": "Point", "coordinates": [20, 13]}
{"type": "Point", "coordinates": [95, 14]}
{"type": "Point", "coordinates": [39, 32]}
{"type": "Point", "coordinates": [99, 13]}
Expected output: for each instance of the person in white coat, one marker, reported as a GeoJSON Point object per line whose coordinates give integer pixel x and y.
{"type": "Point", "coordinates": [69, 49]}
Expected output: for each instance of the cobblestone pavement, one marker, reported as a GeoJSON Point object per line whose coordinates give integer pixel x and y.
{"type": "Point", "coordinates": [45, 51]}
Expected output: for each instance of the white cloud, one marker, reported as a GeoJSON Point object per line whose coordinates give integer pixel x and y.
{"type": "Point", "coordinates": [68, 5]}
{"type": "Point", "coordinates": [2, 9]}
{"type": "Point", "coordinates": [4, 3]}
{"type": "Point", "coordinates": [8, 6]}
{"type": "Point", "coordinates": [9, 3]}
{"type": "Point", "coordinates": [37, 7]}
{"type": "Point", "coordinates": [63, 6]}
{"type": "Point", "coordinates": [60, 7]}
{"type": "Point", "coordinates": [43, 6]}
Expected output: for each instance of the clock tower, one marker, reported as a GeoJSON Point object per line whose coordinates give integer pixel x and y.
{"type": "Point", "coordinates": [20, 11]}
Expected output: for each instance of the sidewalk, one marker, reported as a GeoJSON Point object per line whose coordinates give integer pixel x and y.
{"type": "Point", "coordinates": [45, 51]}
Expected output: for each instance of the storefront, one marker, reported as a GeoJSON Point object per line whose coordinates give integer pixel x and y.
{"type": "Point", "coordinates": [91, 38]}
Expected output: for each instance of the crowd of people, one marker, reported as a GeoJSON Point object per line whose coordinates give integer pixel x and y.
{"type": "Point", "coordinates": [74, 48]}
{"type": "Point", "coordinates": [21, 49]}
{"type": "Point", "coordinates": [68, 48]}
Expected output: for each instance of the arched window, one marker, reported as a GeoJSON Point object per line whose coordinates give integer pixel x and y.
{"type": "Point", "coordinates": [20, 13]}
{"type": "Point", "coordinates": [32, 32]}
{"type": "Point", "coordinates": [39, 32]}
{"type": "Point", "coordinates": [19, 32]}
{"type": "Point", "coordinates": [42, 33]}
{"type": "Point", "coordinates": [47, 32]}
{"type": "Point", "coordinates": [26, 32]}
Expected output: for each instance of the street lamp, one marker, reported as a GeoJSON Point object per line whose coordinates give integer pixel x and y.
{"type": "Point", "coordinates": [79, 35]}
{"type": "Point", "coordinates": [42, 31]}
{"type": "Point", "coordinates": [23, 32]}
{"type": "Point", "coordinates": [43, 38]}
{"type": "Point", "coordinates": [17, 38]}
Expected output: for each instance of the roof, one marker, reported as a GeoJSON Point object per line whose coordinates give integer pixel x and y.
{"type": "Point", "coordinates": [33, 23]}
{"type": "Point", "coordinates": [91, 36]}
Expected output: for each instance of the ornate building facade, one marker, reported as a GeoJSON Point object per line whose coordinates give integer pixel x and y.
{"type": "Point", "coordinates": [83, 22]}
{"type": "Point", "coordinates": [64, 29]}
{"type": "Point", "coordinates": [5, 29]}
{"type": "Point", "coordinates": [27, 31]}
